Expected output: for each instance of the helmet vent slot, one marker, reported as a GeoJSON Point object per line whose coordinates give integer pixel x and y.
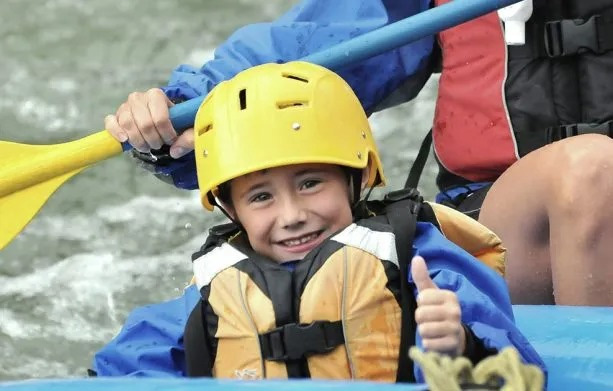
{"type": "Point", "coordinates": [205, 129]}
{"type": "Point", "coordinates": [242, 97]}
{"type": "Point", "coordinates": [302, 79]}
{"type": "Point", "coordinates": [294, 103]}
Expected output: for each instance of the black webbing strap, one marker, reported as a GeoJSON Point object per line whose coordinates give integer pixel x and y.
{"type": "Point", "coordinates": [420, 162]}
{"type": "Point", "coordinates": [197, 354]}
{"type": "Point", "coordinates": [295, 341]}
{"type": "Point", "coordinates": [533, 140]}
{"type": "Point", "coordinates": [402, 216]}
{"type": "Point", "coordinates": [556, 133]}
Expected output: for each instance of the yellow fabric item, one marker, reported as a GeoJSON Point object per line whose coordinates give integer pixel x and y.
{"type": "Point", "coordinates": [351, 286]}
{"type": "Point", "coordinates": [472, 236]}
{"type": "Point", "coordinates": [280, 114]}
{"type": "Point", "coordinates": [233, 295]}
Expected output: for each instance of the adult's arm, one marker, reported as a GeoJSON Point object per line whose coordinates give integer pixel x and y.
{"type": "Point", "coordinates": [309, 27]}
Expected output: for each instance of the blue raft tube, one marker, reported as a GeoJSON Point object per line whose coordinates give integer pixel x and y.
{"type": "Point", "coordinates": [576, 344]}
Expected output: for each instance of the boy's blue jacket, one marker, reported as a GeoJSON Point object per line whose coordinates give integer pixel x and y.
{"type": "Point", "coordinates": [309, 27]}
{"type": "Point", "coordinates": [151, 341]}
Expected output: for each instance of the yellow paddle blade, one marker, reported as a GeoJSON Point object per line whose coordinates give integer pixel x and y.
{"type": "Point", "coordinates": [29, 174]}
{"type": "Point", "coordinates": [17, 209]}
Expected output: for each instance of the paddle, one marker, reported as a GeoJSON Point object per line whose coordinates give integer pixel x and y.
{"type": "Point", "coordinates": [29, 174]}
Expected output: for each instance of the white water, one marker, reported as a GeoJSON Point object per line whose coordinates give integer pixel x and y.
{"type": "Point", "coordinates": [115, 237]}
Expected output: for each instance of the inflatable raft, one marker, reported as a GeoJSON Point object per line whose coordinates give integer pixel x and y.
{"type": "Point", "coordinates": [575, 342]}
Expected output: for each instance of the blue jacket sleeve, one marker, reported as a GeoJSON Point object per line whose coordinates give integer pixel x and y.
{"type": "Point", "coordinates": [309, 27]}
{"type": "Point", "coordinates": [483, 294]}
{"type": "Point", "coordinates": [150, 344]}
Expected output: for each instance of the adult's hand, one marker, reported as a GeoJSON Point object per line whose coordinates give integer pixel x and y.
{"type": "Point", "coordinates": [143, 120]}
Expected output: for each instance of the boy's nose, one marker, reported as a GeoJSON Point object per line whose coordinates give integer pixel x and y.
{"type": "Point", "coordinates": [292, 214]}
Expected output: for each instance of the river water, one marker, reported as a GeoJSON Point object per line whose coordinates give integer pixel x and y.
{"type": "Point", "coordinates": [114, 237]}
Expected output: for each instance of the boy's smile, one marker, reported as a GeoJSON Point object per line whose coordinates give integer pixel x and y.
{"type": "Point", "coordinates": [288, 211]}
{"type": "Point", "coordinates": [303, 243]}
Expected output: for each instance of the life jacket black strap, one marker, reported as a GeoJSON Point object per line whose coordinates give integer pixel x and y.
{"type": "Point", "coordinates": [420, 162]}
{"type": "Point", "coordinates": [197, 353]}
{"type": "Point", "coordinates": [556, 133]}
{"type": "Point", "coordinates": [534, 140]}
{"type": "Point", "coordinates": [295, 341]}
{"type": "Point", "coordinates": [402, 216]}
{"type": "Point", "coordinates": [218, 234]}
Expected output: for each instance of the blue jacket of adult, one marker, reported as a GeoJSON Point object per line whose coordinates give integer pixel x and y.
{"type": "Point", "coordinates": [309, 27]}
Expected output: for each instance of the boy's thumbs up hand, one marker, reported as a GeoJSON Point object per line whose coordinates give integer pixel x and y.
{"type": "Point", "coordinates": [438, 316]}
{"type": "Point", "coordinates": [422, 279]}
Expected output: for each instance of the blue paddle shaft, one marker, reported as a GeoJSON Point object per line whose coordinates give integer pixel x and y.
{"type": "Point", "coordinates": [371, 44]}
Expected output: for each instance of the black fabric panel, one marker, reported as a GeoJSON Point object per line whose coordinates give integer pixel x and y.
{"type": "Point", "coordinates": [198, 357]}
{"type": "Point", "coordinates": [540, 92]}
{"type": "Point", "coordinates": [595, 75]}
{"type": "Point", "coordinates": [471, 204]}
{"type": "Point", "coordinates": [393, 280]}
{"type": "Point", "coordinates": [543, 92]}
{"type": "Point", "coordinates": [475, 349]}
{"type": "Point", "coordinates": [583, 9]}
{"type": "Point", "coordinates": [595, 70]}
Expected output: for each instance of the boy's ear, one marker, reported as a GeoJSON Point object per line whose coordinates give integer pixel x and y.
{"type": "Point", "coordinates": [228, 209]}
{"type": "Point", "coordinates": [365, 176]}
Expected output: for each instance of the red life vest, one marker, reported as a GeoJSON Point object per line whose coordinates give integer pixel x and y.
{"type": "Point", "coordinates": [497, 103]}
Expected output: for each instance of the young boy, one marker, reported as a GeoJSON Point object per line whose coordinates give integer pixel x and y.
{"type": "Point", "coordinates": [309, 281]}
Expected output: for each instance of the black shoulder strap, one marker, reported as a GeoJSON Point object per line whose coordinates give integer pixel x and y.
{"type": "Point", "coordinates": [217, 235]}
{"type": "Point", "coordinates": [198, 358]}
{"type": "Point", "coordinates": [420, 162]}
{"type": "Point", "coordinates": [402, 216]}
{"type": "Point", "coordinates": [197, 352]}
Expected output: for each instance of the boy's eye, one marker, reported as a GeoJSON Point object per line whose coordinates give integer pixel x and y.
{"type": "Point", "coordinates": [259, 197]}
{"type": "Point", "coordinates": [310, 183]}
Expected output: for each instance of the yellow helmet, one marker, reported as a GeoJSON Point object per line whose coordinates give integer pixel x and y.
{"type": "Point", "coordinates": [274, 115]}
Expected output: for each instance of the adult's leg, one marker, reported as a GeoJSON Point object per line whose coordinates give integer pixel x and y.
{"type": "Point", "coordinates": [553, 210]}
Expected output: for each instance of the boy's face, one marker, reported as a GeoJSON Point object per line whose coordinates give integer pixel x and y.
{"type": "Point", "coordinates": [287, 211]}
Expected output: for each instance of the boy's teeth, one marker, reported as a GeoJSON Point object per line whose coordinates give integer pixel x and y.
{"type": "Point", "coordinates": [296, 242]}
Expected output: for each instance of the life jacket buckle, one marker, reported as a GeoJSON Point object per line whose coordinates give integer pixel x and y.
{"type": "Point", "coordinates": [294, 341]}
{"type": "Point", "coordinates": [572, 36]}
{"type": "Point", "coordinates": [403, 194]}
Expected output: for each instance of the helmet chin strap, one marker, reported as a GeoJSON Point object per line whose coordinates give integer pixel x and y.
{"type": "Point", "coordinates": [355, 186]}
{"type": "Point", "coordinates": [359, 207]}
{"type": "Point", "coordinates": [213, 201]}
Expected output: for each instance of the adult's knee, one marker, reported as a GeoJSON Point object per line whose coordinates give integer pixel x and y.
{"type": "Point", "coordinates": [582, 173]}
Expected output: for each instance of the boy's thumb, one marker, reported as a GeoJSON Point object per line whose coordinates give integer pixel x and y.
{"type": "Point", "coordinates": [420, 274]}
